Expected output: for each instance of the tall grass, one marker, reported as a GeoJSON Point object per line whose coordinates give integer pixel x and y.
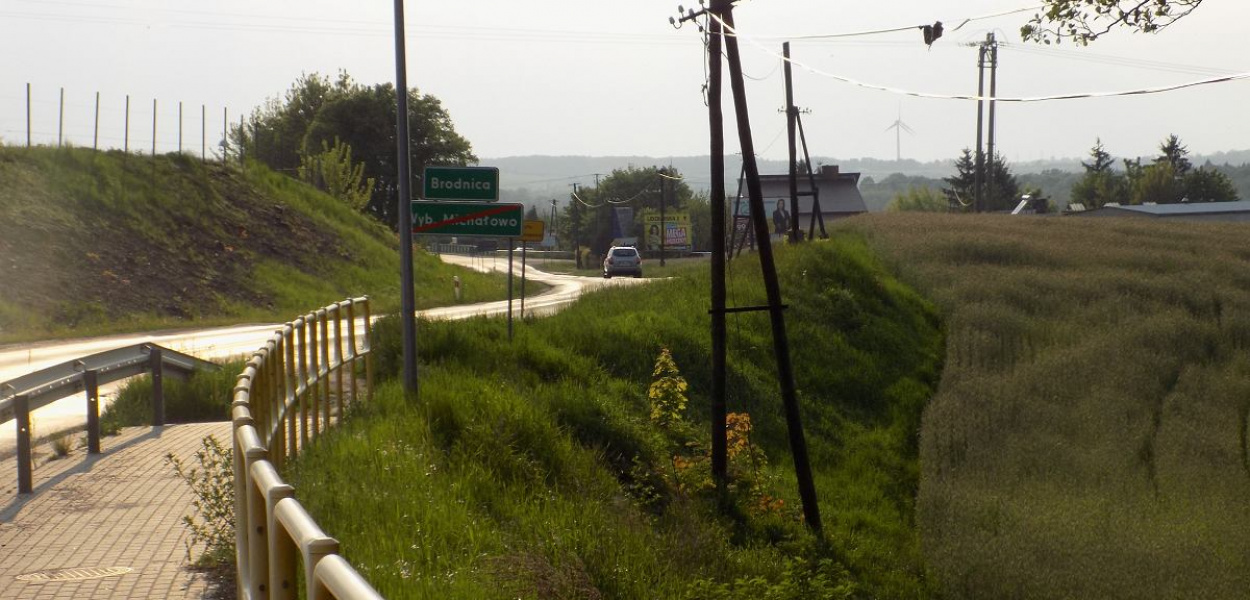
{"type": "Point", "coordinates": [531, 468]}
{"type": "Point", "coordinates": [1089, 436]}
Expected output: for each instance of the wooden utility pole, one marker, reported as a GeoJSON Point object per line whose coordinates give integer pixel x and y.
{"type": "Point", "coordinates": [126, 135]}
{"type": "Point", "coordinates": [716, 122]}
{"type": "Point", "coordinates": [781, 344]}
{"type": "Point", "coordinates": [792, 117]}
{"type": "Point", "coordinates": [663, 223]}
{"type": "Point", "coordinates": [577, 251]}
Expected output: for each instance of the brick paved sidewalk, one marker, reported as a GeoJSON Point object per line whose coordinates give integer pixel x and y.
{"type": "Point", "coordinates": [120, 509]}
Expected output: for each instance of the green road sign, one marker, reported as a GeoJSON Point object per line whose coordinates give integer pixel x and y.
{"type": "Point", "coordinates": [468, 219]}
{"type": "Point", "coordinates": [461, 183]}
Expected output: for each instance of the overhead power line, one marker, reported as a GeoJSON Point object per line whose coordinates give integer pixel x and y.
{"type": "Point", "coordinates": [892, 90]}
{"type": "Point", "coordinates": [869, 32]}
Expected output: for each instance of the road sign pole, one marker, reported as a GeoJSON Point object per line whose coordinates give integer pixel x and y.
{"type": "Point", "coordinates": [408, 300]}
{"type": "Point", "coordinates": [524, 247]}
{"type": "Point", "coordinates": [509, 289]}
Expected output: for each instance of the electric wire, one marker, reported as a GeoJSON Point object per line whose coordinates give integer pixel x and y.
{"type": "Point", "coordinates": [1078, 96]}
{"type": "Point", "coordinates": [1109, 59]}
{"type": "Point", "coordinates": [870, 32]}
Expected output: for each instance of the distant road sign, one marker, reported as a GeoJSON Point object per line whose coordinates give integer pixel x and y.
{"type": "Point", "coordinates": [532, 231]}
{"type": "Point", "coordinates": [471, 219]}
{"type": "Point", "coordinates": [461, 183]}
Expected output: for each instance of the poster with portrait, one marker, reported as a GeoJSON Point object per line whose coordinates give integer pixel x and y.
{"type": "Point", "coordinates": [676, 231]}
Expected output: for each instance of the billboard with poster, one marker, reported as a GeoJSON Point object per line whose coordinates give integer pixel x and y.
{"type": "Point", "coordinates": [676, 230]}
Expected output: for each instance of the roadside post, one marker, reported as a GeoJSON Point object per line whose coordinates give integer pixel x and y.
{"type": "Point", "coordinates": [532, 231]}
{"type": "Point", "coordinates": [510, 243]}
{"type": "Point", "coordinates": [455, 282]}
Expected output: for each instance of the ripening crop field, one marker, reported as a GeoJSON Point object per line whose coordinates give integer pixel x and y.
{"type": "Point", "coordinates": [1089, 435]}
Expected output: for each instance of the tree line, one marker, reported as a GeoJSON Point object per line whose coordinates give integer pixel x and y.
{"type": "Point", "coordinates": [1169, 178]}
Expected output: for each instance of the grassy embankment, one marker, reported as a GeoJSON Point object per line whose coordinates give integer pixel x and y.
{"type": "Point", "coordinates": [534, 469]}
{"type": "Point", "coordinates": [101, 242]}
{"type": "Point", "coordinates": [1089, 439]}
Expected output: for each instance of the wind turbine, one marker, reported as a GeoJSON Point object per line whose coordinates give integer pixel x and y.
{"type": "Point", "coordinates": [899, 126]}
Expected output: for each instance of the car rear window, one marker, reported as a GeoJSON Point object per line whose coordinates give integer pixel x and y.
{"type": "Point", "coordinates": [624, 252]}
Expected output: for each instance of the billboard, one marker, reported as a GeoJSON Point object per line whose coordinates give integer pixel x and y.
{"type": "Point", "coordinates": [678, 236]}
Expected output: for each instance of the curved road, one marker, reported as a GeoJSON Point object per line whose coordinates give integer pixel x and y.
{"type": "Point", "coordinates": [242, 340]}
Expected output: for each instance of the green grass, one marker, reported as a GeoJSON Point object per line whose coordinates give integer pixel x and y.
{"type": "Point", "coordinates": [204, 396]}
{"type": "Point", "coordinates": [532, 469]}
{"type": "Point", "coordinates": [104, 242]}
{"type": "Point", "coordinates": [1089, 436]}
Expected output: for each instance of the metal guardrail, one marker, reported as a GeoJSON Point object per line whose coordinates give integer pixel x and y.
{"type": "Point", "coordinates": [284, 398]}
{"type": "Point", "coordinates": [30, 392]}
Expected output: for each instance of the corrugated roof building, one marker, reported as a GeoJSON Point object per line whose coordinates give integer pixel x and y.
{"type": "Point", "coordinates": [1193, 211]}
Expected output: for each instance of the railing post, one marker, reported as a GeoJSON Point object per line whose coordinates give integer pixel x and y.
{"type": "Point", "coordinates": [90, 381]}
{"type": "Point", "coordinates": [21, 414]}
{"type": "Point", "coordinates": [368, 354]}
{"type": "Point", "coordinates": [301, 388]}
{"type": "Point", "coordinates": [158, 387]}
{"type": "Point", "coordinates": [313, 391]}
{"type": "Point", "coordinates": [292, 392]}
{"type": "Point", "coordinates": [351, 342]}
{"type": "Point", "coordinates": [323, 317]}
{"type": "Point", "coordinates": [338, 357]}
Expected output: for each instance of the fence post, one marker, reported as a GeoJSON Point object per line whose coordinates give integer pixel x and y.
{"type": "Point", "coordinates": [158, 388]}
{"type": "Point", "coordinates": [21, 414]}
{"type": "Point", "coordinates": [60, 121]}
{"type": "Point", "coordinates": [95, 137]}
{"type": "Point", "coordinates": [90, 381]}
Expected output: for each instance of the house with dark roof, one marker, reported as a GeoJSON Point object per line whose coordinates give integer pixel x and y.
{"type": "Point", "coordinates": [838, 193]}
{"type": "Point", "coordinates": [1192, 211]}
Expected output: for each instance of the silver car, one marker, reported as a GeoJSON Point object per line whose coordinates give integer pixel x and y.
{"type": "Point", "coordinates": [622, 260]}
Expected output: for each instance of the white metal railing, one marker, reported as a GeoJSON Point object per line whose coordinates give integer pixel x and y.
{"type": "Point", "coordinates": [289, 392]}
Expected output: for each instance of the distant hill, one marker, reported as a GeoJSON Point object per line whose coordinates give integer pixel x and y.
{"type": "Point", "coordinates": [536, 180]}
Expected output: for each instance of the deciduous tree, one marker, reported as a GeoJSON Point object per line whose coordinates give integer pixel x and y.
{"type": "Point", "coordinates": [317, 110]}
{"type": "Point", "coordinates": [1084, 21]}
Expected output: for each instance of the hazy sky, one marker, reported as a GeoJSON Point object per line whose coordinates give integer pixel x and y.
{"type": "Point", "coordinates": [594, 77]}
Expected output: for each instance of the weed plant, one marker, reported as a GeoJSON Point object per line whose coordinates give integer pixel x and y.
{"type": "Point", "coordinates": [1089, 436]}
{"type": "Point", "coordinates": [533, 468]}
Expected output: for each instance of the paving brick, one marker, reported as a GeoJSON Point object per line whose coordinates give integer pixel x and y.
{"type": "Point", "coordinates": [121, 509]}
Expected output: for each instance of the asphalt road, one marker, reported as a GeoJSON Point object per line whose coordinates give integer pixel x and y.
{"type": "Point", "coordinates": [242, 340]}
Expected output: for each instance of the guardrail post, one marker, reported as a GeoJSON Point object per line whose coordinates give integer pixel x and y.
{"type": "Point", "coordinates": [158, 387]}
{"type": "Point", "coordinates": [351, 343]}
{"type": "Point", "coordinates": [314, 370]}
{"type": "Point", "coordinates": [21, 414]}
{"type": "Point", "coordinates": [369, 353]}
{"type": "Point", "coordinates": [326, 365]}
{"type": "Point", "coordinates": [340, 367]}
{"type": "Point", "coordinates": [90, 381]}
